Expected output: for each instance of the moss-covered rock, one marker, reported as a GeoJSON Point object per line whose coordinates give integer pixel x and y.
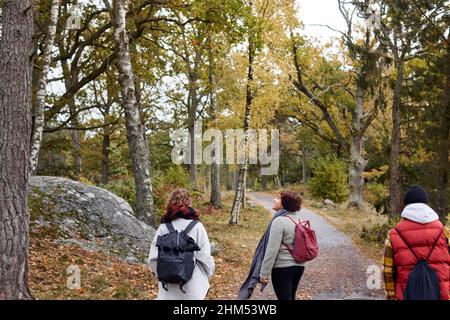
{"type": "Point", "coordinates": [89, 216]}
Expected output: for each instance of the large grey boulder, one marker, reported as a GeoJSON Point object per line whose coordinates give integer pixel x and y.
{"type": "Point", "coordinates": [89, 216]}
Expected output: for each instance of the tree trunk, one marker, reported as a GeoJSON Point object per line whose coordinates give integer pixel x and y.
{"type": "Point", "coordinates": [106, 144]}
{"type": "Point", "coordinates": [277, 181]}
{"type": "Point", "coordinates": [263, 182]}
{"type": "Point", "coordinates": [237, 202]}
{"type": "Point", "coordinates": [192, 164]}
{"type": "Point", "coordinates": [215, 167]}
{"type": "Point", "coordinates": [215, 185]}
{"type": "Point", "coordinates": [444, 130]}
{"type": "Point", "coordinates": [356, 170]}
{"type": "Point", "coordinates": [394, 169]}
{"type": "Point", "coordinates": [193, 171]}
{"type": "Point", "coordinates": [304, 164]}
{"type": "Point", "coordinates": [135, 132]}
{"type": "Point", "coordinates": [192, 117]}
{"type": "Point", "coordinates": [105, 155]}
{"type": "Point", "coordinates": [235, 179]}
{"type": "Point", "coordinates": [76, 141]}
{"type": "Point", "coordinates": [227, 174]}
{"type": "Point", "coordinates": [39, 107]}
{"type": "Point", "coordinates": [240, 190]}
{"type": "Point", "coordinates": [15, 132]}
{"type": "Point", "coordinates": [357, 161]}
{"type": "Point", "coordinates": [244, 191]}
{"type": "Point", "coordinates": [443, 179]}
{"type": "Point", "coordinates": [70, 78]}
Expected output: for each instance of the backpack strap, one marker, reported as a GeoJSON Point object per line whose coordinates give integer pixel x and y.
{"type": "Point", "coordinates": [304, 223]}
{"type": "Point", "coordinates": [170, 227]}
{"type": "Point", "coordinates": [432, 248]}
{"type": "Point", "coordinates": [409, 247]}
{"type": "Point", "coordinates": [181, 287]}
{"type": "Point", "coordinates": [190, 226]}
{"type": "Point", "coordinates": [435, 243]}
{"type": "Point", "coordinates": [290, 249]}
{"type": "Point", "coordinates": [293, 220]}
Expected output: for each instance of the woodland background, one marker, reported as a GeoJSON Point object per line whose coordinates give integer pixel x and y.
{"type": "Point", "coordinates": [360, 119]}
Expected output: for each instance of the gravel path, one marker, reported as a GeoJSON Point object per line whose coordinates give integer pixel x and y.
{"type": "Point", "coordinates": [340, 270]}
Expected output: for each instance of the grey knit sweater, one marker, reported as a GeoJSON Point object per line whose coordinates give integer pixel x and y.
{"type": "Point", "coordinates": [277, 255]}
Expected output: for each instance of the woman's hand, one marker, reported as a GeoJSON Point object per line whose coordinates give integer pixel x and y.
{"type": "Point", "coordinates": [264, 280]}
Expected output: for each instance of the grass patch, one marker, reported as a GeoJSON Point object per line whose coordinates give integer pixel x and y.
{"type": "Point", "coordinates": [236, 246]}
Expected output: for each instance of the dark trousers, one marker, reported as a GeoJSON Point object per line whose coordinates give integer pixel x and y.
{"type": "Point", "coordinates": [285, 281]}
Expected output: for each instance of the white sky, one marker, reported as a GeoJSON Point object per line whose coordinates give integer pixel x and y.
{"type": "Point", "coordinates": [324, 12]}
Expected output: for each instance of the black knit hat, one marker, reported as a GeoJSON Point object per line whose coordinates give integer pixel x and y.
{"type": "Point", "coordinates": [415, 194]}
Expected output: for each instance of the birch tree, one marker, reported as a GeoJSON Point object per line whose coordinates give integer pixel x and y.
{"type": "Point", "coordinates": [239, 195]}
{"type": "Point", "coordinates": [135, 130]}
{"type": "Point", "coordinates": [41, 92]}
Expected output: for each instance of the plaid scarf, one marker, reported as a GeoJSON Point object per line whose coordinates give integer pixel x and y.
{"type": "Point", "coordinates": [175, 212]}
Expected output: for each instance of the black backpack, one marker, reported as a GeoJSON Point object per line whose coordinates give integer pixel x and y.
{"type": "Point", "coordinates": [176, 261]}
{"type": "Point", "coordinates": [423, 281]}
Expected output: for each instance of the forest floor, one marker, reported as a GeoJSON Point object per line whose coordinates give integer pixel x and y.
{"type": "Point", "coordinates": [338, 273]}
{"type": "Point", "coordinates": [102, 276]}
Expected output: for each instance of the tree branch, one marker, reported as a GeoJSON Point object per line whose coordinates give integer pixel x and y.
{"type": "Point", "coordinates": [299, 84]}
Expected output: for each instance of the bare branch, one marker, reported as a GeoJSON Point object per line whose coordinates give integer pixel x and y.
{"type": "Point", "coordinates": [73, 116]}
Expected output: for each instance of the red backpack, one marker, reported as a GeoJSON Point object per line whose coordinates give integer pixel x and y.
{"type": "Point", "coordinates": [305, 242]}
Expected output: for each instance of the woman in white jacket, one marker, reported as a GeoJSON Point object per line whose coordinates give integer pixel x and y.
{"type": "Point", "coordinates": [180, 214]}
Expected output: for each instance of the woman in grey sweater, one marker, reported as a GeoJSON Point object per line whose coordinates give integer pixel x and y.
{"type": "Point", "coordinates": [278, 262]}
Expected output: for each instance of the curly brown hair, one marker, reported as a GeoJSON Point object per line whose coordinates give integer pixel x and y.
{"type": "Point", "coordinates": [290, 200]}
{"type": "Point", "coordinates": [179, 197]}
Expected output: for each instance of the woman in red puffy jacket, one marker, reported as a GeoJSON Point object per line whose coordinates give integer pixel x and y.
{"type": "Point", "coordinates": [419, 236]}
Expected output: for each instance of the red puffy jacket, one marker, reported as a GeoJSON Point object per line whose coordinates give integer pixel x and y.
{"type": "Point", "coordinates": [421, 238]}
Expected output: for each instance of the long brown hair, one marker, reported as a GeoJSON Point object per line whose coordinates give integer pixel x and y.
{"type": "Point", "coordinates": [179, 206]}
